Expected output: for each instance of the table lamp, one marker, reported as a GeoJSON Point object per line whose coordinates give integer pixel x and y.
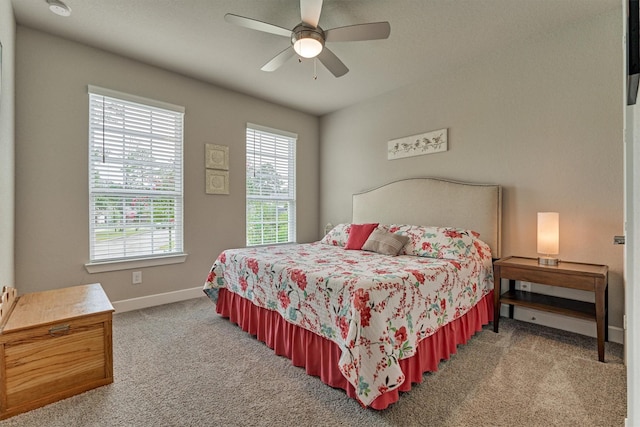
{"type": "Point", "coordinates": [548, 237]}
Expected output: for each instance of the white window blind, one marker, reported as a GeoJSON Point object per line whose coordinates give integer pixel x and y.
{"type": "Point", "coordinates": [271, 186]}
{"type": "Point", "coordinates": [135, 177]}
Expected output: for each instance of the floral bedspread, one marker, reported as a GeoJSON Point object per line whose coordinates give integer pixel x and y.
{"type": "Point", "coordinates": [376, 308]}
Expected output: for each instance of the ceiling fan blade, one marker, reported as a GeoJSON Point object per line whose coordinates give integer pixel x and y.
{"type": "Point", "coordinates": [310, 11]}
{"type": "Point", "coordinates": [254, 24]}
{"type": "Point", "coordinates": [359, 32]}
{"type": "Point", "coordinates": [332, 62]}
{"type": "Point", "coordinates": [279, 59]}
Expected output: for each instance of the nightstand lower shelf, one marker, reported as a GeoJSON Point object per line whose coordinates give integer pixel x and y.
{"type": "Point", "coordinates": [551, 304]}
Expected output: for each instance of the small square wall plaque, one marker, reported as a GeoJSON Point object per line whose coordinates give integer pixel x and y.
{"type": "Point", "coordinates": [217, 182]}
{"type": "Point", "coordinates": [217, 157]}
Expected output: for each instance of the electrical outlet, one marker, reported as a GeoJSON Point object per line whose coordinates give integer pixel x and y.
{"type": "Point", "coordinates": [525, 286]}
{"type": "Point", "coordinates": [136, 277]}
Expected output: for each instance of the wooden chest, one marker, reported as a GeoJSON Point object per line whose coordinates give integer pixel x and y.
{"type": "Point", "coordinates": [54, 344]}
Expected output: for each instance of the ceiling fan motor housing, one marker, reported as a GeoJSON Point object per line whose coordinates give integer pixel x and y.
{"type": "Point", "coordinates": [306, 31]}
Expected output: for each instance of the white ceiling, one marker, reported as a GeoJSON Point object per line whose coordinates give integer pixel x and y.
{"type": "Point", "coordinates": [191, 37]}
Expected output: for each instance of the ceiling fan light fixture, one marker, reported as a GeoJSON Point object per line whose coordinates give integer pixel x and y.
{"type": "Point", "coordinates": [308, 47]}
{"type": "Point", "coordinates": [307, 41]}
{"type": "Point", "coordinates": [59, 8]}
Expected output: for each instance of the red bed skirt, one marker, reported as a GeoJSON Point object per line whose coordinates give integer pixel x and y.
{"type": "Point", "coordinates": [320, 356]}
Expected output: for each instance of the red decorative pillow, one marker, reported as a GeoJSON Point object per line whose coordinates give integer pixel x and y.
{"type": "Point", "coordinates": [359, 234]}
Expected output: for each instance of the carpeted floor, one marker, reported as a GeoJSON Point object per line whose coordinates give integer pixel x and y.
{"type": "Point", "coordinates": [182, 365]}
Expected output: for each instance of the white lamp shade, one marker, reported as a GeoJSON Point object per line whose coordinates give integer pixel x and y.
{"type": "Point", "coordinates": [548, 233]}
{"type": "Point", "coordinates": [307, 47]}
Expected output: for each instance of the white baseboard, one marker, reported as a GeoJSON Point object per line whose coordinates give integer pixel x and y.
{"type": "Point", "coordinates": [157, 299]}
{"type": "Point", "coordinates": [566, 323]}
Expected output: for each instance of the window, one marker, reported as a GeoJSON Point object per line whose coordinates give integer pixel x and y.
{"type": "Point", "coordinates": [135, 177]}
{"type": "Point", "coordinates": [271, 186]}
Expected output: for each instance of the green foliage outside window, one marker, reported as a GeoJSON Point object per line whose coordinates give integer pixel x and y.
{"type": "Point", "coordinates": [267, 219]}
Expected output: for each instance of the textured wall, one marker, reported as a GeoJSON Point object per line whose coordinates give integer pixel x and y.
{"type": "Point", "coordinates": [52, 242]}
{"type": "Point", "coordinates": [543, 119]}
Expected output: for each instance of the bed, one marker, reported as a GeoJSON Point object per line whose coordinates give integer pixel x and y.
{"type": "Point", "coordinates": [378, 301]}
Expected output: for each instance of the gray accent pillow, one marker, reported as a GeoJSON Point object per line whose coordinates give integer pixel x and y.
{"type": "Point", "coordinates": [385, 242]}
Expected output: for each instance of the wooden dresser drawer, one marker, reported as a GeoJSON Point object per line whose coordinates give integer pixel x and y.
{"type": "Point", "coordinates": [42, 362]}
{"type": "Point", "coordinates": [585, 283]}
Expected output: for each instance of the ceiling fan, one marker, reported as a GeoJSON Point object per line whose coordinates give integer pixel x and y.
{"type": "Point", "coordinates": [308, 38]}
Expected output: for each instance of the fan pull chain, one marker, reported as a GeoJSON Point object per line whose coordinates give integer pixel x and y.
{"type": "Point", "coordinates": [315, 68]}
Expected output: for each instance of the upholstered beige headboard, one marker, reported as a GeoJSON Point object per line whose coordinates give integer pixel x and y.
{"type": "Point", "coordinates": [435, 202]}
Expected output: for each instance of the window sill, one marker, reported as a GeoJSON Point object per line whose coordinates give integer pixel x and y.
{"type": "Point", "coordinates": [102, 266]}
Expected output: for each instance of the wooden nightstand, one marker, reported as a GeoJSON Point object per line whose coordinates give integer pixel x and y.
{"type": "Point", "coordinates": [586, 277]}
{"type": "Point", "coordinates": [54, 344]}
